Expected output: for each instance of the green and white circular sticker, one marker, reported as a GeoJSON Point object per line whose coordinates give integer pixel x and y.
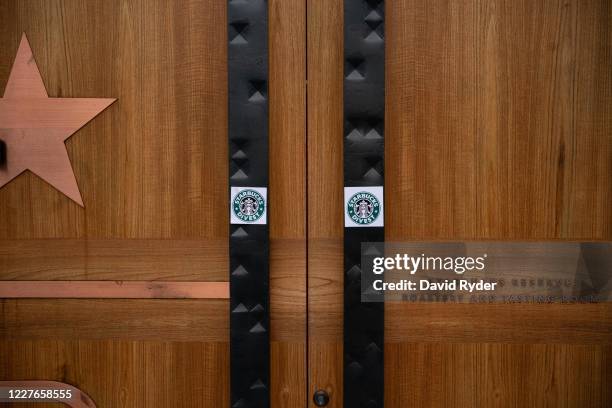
{"type": "Point", "coordinates": [248, 205]}
{"type": "Point", "coordinates": [363, 207]}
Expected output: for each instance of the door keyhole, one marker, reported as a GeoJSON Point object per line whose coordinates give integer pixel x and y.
{"type": "Point", "coordinates": [320, 398]}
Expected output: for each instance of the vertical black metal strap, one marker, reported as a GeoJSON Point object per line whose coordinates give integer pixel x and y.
{"type": "Point", "coordinates": [249, 234]}
{"type": "Point", "coordinates": [364, 107]}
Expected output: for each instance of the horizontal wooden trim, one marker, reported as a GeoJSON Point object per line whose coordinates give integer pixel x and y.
{"type": "Point", "coordinates": [78, 400]}
{"type": "Point", "coordinates": [113, 290]}
{"type": "Point", "coordinates": [114, 259]}
{"type": "Point", "coordinates": [572, 323]}
{"type": "Point", "coordinates": [199, 320]}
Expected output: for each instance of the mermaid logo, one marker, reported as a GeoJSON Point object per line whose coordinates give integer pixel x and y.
{"type": "Point", "coordinates": [363, 208]}
{"type": "Point", "coordinates": [248, 205]}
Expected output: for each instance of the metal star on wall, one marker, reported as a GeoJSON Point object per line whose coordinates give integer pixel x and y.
{"type": "Point", "coordinates": [34, 127]}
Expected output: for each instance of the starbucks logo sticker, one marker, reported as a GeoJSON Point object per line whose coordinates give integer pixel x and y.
{"type": "Point", "coordinates": [248, 205]}
{"type": "Point", "coordinates": [363, 206]}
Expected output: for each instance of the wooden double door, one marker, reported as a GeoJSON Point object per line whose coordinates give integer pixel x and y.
{"type": "Point", "coordinates": [498, 126]}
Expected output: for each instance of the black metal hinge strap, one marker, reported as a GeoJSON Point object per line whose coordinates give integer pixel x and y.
{"type": "Point", "coordinates": [248, 175]}
{"type": "Point", "coordinates": [364, 122]}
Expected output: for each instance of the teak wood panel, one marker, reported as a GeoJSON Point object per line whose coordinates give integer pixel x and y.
{"type": "Point", "coordinates": [153, 173]}
{"type": "Point", "coordinates": [325, 215]}
{"type": "Point", "coordinates": [126, 373]}
{"type": "Point", "coordinates": [153, 164]}
{"type": "Point", "coordinates": [499, 126]}
{"type": "Point", "coordinates": [287, 44]}
{"type": "Point", "coordinates": [110, 259]}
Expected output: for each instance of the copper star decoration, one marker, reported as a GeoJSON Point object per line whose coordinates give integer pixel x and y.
{"type": "Point", "coordinates": [34, 127]}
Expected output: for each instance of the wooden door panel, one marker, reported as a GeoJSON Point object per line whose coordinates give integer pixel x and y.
{"type": "Point", "coordinates": [496, 375]}
{"type": "Point", "coordinates": [499, 130]}
{"type": "Point", "coordinates": [152, 170]}
{"type": "Point", "coordinates": [497, 127]}
{"type": "Point", "coordinates": [287, 197]}
{"type": "Point", "coordinates": [497, 120]}
{"type": "Point", "coordinates": [325, 195]}
{"type": "Point", "coordinates": [153, 173]}
{"type": "Point", "coordinates": [123, 373]}
{"type": "Point", "coordinates": [149, 166]}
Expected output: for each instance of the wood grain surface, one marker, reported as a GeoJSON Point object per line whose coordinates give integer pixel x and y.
{"type": "Point", "coordinates": [155, 164]}
{"type": "Point", "coordinates": [153, 173]}
{"type": "Point", "coordinates": [497, 375]}
{"type": "Point", "coordinates": [325, 182]}
{"type": "Point", "coordinates": [97, 319]}
{"type": "Point", "coordinates": [287, 41]}
{"type": "Point", "coordinates": [499, 126]}
{"type": "Point", "coordinates": [113, 259]}
{"type": "Point", "coordinates": [113, 290]}
{"type": "Point", "coordinates": [499, 119]}
{"type": "Point", "coordinates": [127, 373]}
{"type": "Point", "coordinates": [154, 167]}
